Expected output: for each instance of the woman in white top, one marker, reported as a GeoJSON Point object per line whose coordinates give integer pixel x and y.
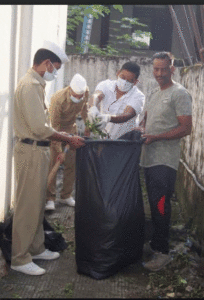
{"type": "Point", "coordinates": [118, 103]}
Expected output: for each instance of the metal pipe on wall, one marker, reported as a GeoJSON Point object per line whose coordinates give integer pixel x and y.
{"type": "Point", "coordinates": [189, 27]}
{"type": "Point", "coordinates": [196, 31]}
{"type": "Point", "coordinates": [202, 17]}
{"type": "Point", "coordinates": [173, 14]}
{"type": "Point", "coordinates": [10, 108]}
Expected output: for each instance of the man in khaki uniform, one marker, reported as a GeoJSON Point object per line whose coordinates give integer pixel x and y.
{"type": "Point", "coordinates": [65, 105]}
{"type": "Point", "coordinates": [32, 157]}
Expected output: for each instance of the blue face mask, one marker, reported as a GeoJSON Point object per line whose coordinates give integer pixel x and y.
{"type": "Point", "coordinates": [124, 85]}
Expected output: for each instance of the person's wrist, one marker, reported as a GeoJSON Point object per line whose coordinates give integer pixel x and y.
{"type": "Point", "coordinates": [112, 117]}
{"type": "Point", "coordinates": [155, 138]}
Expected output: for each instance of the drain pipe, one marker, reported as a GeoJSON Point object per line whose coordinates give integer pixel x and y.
{"type": "Point", "coordinates": [183, 43]}
{"type": "Point", "coordinates": [192, 174]}
{"type": "Point", "coordinates": [196, 31]}
{"type": "Point", "coordinates": [10, 108]}
{"type": "Point", "coordinates": [202, 16]}
{"type": "Point", "coordinates": [189, 27]}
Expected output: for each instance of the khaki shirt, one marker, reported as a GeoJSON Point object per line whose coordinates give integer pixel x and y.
{"type": "Point", "coordinates": [31, 119]}
{"type": "Point", "coordinates": [63, 112]}
{"type": "Point", "coordinates": [163, 107]}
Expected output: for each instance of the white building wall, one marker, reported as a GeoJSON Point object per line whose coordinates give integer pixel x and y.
{"type": "Point", "coordinates": [34, 24]}
{"type": "Point", "coordinates": [49, 23]}
{"type": "Point", "coordinates": [5, 34]}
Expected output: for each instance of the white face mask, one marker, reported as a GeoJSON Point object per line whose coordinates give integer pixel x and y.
{"type": "Point", "coordinates": [76, 100]}
{"type": "Point", "coordinates": [50, 76]}
{"type": "Point", "coordinates": [124, 85]}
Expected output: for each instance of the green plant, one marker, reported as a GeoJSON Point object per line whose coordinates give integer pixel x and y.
{"type": "Point", "coordinates": [71, 247]}
{"type": "Point", "coordinates": [68, 290]}
{"type": "Point", "coordinates": [94, 129]}
{"type": "Point", "coordinates": [132, 40]}
{"type": "Point", "coordinates": [76, 15]}
{"type": "Point", "coordinates": [168, 282]}
{"type": "Point", "coordinates": [59, 227]}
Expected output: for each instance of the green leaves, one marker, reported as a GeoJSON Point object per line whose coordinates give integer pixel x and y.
{"type": "Point", "coordinates": [108, 51]}
{"type": "Point", "coordinates": [95, 10]}
{"type": "Point", "coordinates": [120, 31]}
{"type": "Point", "coordinates": [133, 21]}
{"type": "Point", "coordinates": [119, 7]}
{"type": "Point", "coordinates": [94, 129]}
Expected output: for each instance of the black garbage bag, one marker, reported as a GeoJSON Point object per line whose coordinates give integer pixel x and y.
{"type": "Point", "coordinates": [133, 135]}
{"type": "Point", "coordinates": [109, 212]}
{"type": "Point", "coordinates": [54, 241]}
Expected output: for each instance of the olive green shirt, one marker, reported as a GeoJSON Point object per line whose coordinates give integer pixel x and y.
{"type": "Point", "coordinates": [163, 107]}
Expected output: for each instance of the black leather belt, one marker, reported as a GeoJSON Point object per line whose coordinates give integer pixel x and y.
{"type": "Point", "coordinates": [38, 143]}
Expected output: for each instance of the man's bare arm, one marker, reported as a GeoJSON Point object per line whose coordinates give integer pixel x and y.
{"type": "Point", "coordinates": [74, 141]}
{"type": "Point", "coordinates": [128, 114]}
{"type": "Point", "coordinates": [183, 129]}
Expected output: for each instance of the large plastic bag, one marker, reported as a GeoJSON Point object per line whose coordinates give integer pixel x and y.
{"type": "Point", "coordinates": [109, 212]}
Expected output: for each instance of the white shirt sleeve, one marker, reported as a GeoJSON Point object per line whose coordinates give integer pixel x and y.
{"type": "Point", "coordinates": [102, 86]}
{"type": "Point", "coordinates": [137, 101]}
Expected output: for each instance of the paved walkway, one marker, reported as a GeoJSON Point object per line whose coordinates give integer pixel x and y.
{"type": "Point", "coordinates": [62, 280]}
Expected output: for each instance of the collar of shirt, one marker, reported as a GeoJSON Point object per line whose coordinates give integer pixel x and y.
{"type": "Point", "coordinates": [68, 92]}
{"type": "Point", "coordinates": [37, 77]}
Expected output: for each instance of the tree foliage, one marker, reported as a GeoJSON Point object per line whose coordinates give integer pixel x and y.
{"type": "Point", "coordinates": [76, 15]}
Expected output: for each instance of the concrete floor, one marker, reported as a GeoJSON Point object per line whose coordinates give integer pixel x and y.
{"type": "Point", "coordinates": [62, 280]}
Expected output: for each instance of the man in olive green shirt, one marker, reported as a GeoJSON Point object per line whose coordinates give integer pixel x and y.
{"type": "Point", "coordinates": [167, 118]}
{"type": "Point", "coordinates": [31, 156]}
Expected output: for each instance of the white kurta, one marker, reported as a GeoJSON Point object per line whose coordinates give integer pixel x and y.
{"type": "Point", "coordinates": [109, 105]}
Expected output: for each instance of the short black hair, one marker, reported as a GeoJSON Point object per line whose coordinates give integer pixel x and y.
{"type": "Point", "coordinates": [43, 54]}
{"type": "Point", "coordinates": [131, 67]}
{"type": "Point", "coordinates": [164, 55]}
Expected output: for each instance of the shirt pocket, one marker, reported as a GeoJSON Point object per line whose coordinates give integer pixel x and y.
{"type": "Point", "coordinates": [166, 108]}
{"type": "Point", "coordinates": [166, 100]}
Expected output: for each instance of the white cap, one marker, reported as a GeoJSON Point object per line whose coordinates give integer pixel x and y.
{"type": "Point", "coordinates": [56, 50]}
{"type": "Point", "coordinates": [78, 84]}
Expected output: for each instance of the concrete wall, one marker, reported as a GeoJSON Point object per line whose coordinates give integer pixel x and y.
{"type": "Point", "coordinates": [96, 69]}
{"type": "Point", "coordinates": [190, 179]}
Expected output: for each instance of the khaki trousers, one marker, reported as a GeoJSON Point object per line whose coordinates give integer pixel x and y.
{"type": "Point", "coordinates": [31, 172]}
{"type": "Point", "coordinates": [69, 174]}
{"type": "Point", "coordinates": [69, 170]}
